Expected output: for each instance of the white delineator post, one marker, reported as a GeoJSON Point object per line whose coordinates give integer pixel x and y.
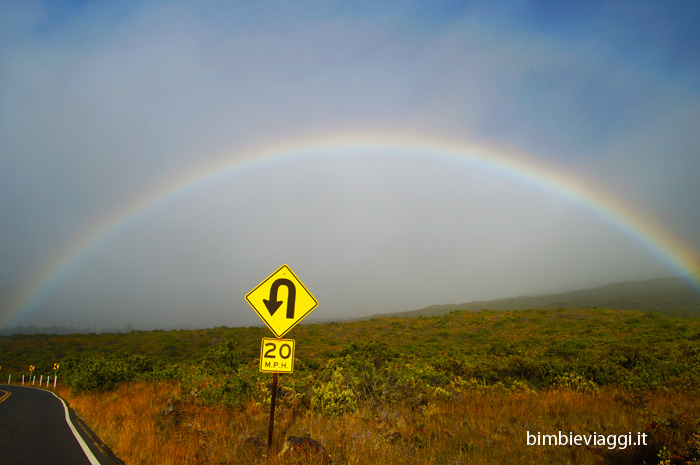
{"type": "Point", "coordinates": [9, 378]}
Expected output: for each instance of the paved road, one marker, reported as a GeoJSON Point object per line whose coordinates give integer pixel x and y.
{"type": "Point", "coordinates": [34, 430]}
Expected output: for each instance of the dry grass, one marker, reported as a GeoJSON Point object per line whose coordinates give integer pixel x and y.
{"type": "Point", "coordinates": [487, 427]}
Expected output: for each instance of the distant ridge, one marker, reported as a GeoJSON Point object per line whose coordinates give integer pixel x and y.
{"type": "Point", "coordinates": [670, 296]}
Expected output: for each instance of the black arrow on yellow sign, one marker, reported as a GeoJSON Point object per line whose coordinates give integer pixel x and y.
{"type": "Point", "coordinates": [273, 304]}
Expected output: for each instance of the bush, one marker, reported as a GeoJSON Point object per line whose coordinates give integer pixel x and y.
{"type": "Point", "coordinates": [234, 392]}
{"type": "Point", "coordinates": [334, 397]}
{"type": "Point", "coordinates": [377, 353]}
{"type": "Point", "coordinates": [673, 438]}
{"type": "Point", "coordinates": [102, 372]}
{"type": "Point", "coordinates": [223, 359]}
{"type": "Point", "coordinates": [576, 382]}
{"type": "Point", "coordinates": [450, 364]}
{"type": "Point", "coordinates": [93, 374]}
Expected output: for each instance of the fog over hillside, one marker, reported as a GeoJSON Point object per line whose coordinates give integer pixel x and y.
{"type": "Point", "coordinates": [670, 296]}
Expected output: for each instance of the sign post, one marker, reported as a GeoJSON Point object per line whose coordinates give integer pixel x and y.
{"type": "Point", "coordinates": [272, 411]}
{"type": "Point", "coordinates": [55, 370]}
{"type": "Point", "coordinates": [280, 311]}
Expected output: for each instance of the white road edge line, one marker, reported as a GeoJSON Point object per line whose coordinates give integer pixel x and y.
{"type": "Point", "coordinates": [77, 435]}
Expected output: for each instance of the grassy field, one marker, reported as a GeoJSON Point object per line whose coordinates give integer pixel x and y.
{"type": "Point", "coordinates": [475, 427]}
{"type": "Point", "coordinates": [466, 387]}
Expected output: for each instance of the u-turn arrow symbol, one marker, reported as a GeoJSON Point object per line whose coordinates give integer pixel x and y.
{"type": "Point", "coordinates": [273, 304]}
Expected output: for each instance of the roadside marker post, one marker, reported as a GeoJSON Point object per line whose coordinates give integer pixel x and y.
{"type": "Point", "coordinates": [280, 311]}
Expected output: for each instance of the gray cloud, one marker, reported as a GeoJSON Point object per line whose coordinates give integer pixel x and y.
{"type": "Point", "coordinates": [100, 102]}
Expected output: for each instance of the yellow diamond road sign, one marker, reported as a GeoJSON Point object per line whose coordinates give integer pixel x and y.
{"type": "Point", "coordinates": [281, 301]}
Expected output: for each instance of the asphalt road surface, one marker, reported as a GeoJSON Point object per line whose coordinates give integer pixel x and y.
{"type": "Point", "coordinates": [34, 430]}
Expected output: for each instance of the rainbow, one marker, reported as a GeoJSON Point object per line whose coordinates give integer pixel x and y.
{"type": "Point", "coordinates": [660, 243]}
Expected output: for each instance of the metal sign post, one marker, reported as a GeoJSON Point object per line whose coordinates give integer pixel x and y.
{"type": "Point", "coordinates": [280, 311]}
{"type": "Point", "coordinates": [272, 411]}
{"type": "Point", "coordinates": [276, 356]}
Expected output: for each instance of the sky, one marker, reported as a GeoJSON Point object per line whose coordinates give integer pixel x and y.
{"type": "Point", "coordinates": [158, 160]}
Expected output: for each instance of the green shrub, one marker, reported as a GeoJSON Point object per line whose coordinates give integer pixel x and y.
{"type": "Point", "coordinates": [375, 352]}
{"type": "Point", "coordinates": [223, 359]}
{"type": "Point", "coordinates": [334, 397]}
{"type": "Point", "coordinates": [673, 439]}
{"type": "Point", "coordinates": [102, 372]}
{"type": "Point", "coordinates": [450, 364]}
{"type": "Point", "coordinates": [576, 382]}
{"type": "Point", "coordinates": [232, 392]}
{"type": "Point", "coordinates": [94, 374]}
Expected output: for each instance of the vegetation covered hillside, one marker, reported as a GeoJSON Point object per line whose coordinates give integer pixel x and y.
{"type": "Point", "coordinates": [669, 296]}
{"type": "Point", "coordinates": [535, 346]}
{"type": "Point", "coordinates": [443, 389]}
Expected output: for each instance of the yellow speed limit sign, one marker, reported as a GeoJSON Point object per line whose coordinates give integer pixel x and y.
{"type": "Point", "coordinates": [277, 355]}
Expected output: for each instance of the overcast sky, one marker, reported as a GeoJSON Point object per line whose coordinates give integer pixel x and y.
{"type": "Point", "coordinates": [101, 101]}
